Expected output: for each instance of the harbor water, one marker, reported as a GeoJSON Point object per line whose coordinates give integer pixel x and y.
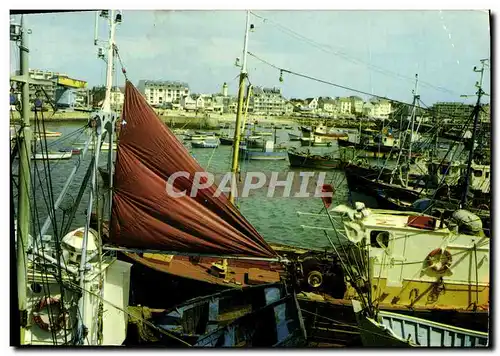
{"type": "Point", "coordinates": [275, 217]}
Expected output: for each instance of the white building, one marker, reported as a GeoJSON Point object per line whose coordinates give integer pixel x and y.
{"type": "Point", "coordinates": [345, 105]}
{"type": "Point", "coordinates": [117, 97]}
{"type": "Point", "coordinates": [159, 92]}
{"type": "Point", "coordinates": [311, 104]}
{"type": "Point", "coordinates": [267, 101]}
{"type": "Point", "coordinates": [381, 108]}
{"type": "Point", "coordinates": [356, 104]}
{"type": "Point", "coordinates": [328, 105]}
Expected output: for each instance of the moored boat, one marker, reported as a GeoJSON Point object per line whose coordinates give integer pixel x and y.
{"type": "Point", "coordinates": [314, 141]}
{"type": "Point", "coordinates": [390, 329]}
{"type": "Point", "coordinates": [52, 155]}
{"type": "Point", "coordinates": [293, 137]}
{"type": "Point", "coordinates": [308, 160]}
{"type": "Point", "coordinates": [267, 153]}
{"type": "Point", "coordinates": [265, 315]}
{"type": "Point", "coordinates": [207, 143]}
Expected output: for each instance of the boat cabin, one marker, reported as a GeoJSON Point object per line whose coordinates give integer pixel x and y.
{"type": "Point", "coordinates": [414, 259]}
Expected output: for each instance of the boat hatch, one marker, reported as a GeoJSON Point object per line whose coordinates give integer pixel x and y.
{"type": "Point", "coordinates": [422, 222]}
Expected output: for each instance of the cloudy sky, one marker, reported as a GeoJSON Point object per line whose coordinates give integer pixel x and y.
{"type": "Point", "coordinates": [377, 52]}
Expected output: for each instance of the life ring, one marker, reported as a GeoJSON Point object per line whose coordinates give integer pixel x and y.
{"type": "Point", "coordinates": [58, 320]}
{"type": "Point", "coordinates": [439, 260]}
{"type": "Point", "coordinates": [483, 207]}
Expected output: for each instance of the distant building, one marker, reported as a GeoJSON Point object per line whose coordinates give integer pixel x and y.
{"type": "Point", "coordinates": [289, 108]}
{"type": "Point", "coordinates": [485, 115]}
{"type": "Point", "coordinates": [58, 89]}
{"type": "Point", "coordinates": [267, 101]}
{"type": "Point", "coordinates": [159, 92]}
{"type": "Point", "coordinates": [188, 103]}
{"type": "Point", "coordinates": [327, 104]}
{"type": "Point", "coordinates": [345, 105]}
{"type": "Point", "coordinates": [312, 103]}
{"type": "Point", "coordinates": [356, 105]}
{"type": "Point", "coordinates": [117, 97]}
{"type": "Point", "coordinates": [452, 111]}
{"type": "Point", "coordinates": [381, 109]}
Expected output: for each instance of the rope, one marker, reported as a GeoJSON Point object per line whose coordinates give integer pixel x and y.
{"type": "Point", "coordinates": [327, 49]}
{"type": "Point", "coordinates": [341, 86]}
{"type": "Point", "coordinates": [124, 71]}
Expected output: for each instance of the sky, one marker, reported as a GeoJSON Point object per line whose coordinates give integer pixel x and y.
{"type": "Point", "coordinates": [377, 52]}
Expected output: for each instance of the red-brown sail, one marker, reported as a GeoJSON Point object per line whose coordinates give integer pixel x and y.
{"type": "Point", "coordinates": [145, 216]}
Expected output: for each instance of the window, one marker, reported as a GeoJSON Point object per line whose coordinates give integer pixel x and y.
{"type": "Point", "coordinates": [487, 174]}
{"type": "Point", "coordinates": [379, 239]}
{"type": "Point", "coordinates": [478, 173]}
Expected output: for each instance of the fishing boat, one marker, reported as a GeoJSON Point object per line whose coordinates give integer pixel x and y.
{"type": "Point", "coordinates": [267, 153]}
{"type": "Point", "coordinates": [288, 127]}
{"type": "Point", "coordinates": [314, 142]}
{"type": "Point", "coordinates": [196, 137]}
{"type": "Point", "coordinates": [53, 155]}
{"type": "Point", "coordinates": [254, 142]}
{"type": "Point", "coordinates": [389, 329]}
{"type": "Point", "coordinates": [265, 315]}
{"type": "Point", "coordinates": [323, 132]}
{"type": "Point", "coordinates": [308, 160]}
{"type": "Point", "coordinates": [293, 137]}
{"type": "Point", "coordinates": [207, 143]}
{"type": "Point", "coordinates": [414, 258]}
{"type": "Point", "coordinates": [226, 141]}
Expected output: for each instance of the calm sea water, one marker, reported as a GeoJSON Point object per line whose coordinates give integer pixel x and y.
{"type": "Point", "coordinates": [276, 218]}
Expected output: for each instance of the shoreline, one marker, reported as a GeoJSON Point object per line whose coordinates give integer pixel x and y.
{"type": "Point", "coordinates": [202, 121]}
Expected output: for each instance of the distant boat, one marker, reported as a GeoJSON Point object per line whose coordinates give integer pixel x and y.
{"type": "Point", "coordinates": [226, 141]}
{"type": "Point", "coordinates": [266, 154]}
{"type": "Point", "coordinates": [398, 330]}
{"type": "Point", "coordinates": [293, 137]}
{"type": "Point", "coordinates": [52, 155]}
{"type": "Point", "coordinates": [288, 127]}
{"type": "Point", "coordinates": [197, 137]}
{"type": "Point", "coordinates": [207, 143]}
{"type": "Point", "coordinates": [263, 133]}
{"type": "Point", "coordinates": [75, 151]}
{"type": "Point", "coordinates": [306, 160]}
{"type": "Point", "coordinates": [315, 141]}
{"type": "Point", "coordinates": [257, 316]}
{"type": "Point", "coordinates": [179, 131]}
{"type": "Point", "coordinates": [49, 134]}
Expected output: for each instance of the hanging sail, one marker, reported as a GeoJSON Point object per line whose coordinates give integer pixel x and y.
{"type": "Point", "coordinates": [145, 216]}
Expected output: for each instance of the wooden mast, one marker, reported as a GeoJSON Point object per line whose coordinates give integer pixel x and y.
{"type": "Point", "coordinates": [23, 212]}
{"type": "Point", "coordinates": [237, 128]}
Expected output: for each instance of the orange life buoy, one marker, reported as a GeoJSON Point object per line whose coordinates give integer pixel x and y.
{"type": "Point", "coordinates": [59, 318]}
{"type": "Point", "coordinates": [439, 260]}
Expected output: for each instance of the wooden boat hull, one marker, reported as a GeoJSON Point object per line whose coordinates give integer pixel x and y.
{"type": "Point", "coordinates": [369, 148]}
{"type": "Point", "coordinates": [305, 143]}
{"type": "Point", "coordinates": [312, 161]}
{"type": "Point", "coordinates": [262, 156]}
{"type": "Point", "coordinates": [204, 144]}
{"type": "Point", "coordinates": [226, 141]}
{"type": "Point", "coordinates": [265, 315]}
{"type": "Point", "coordinates": [397, 330]}
{"type": "Point", "coordinates": [332, 322]}
{"type": "Point", "coordinates": [357, 181]}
